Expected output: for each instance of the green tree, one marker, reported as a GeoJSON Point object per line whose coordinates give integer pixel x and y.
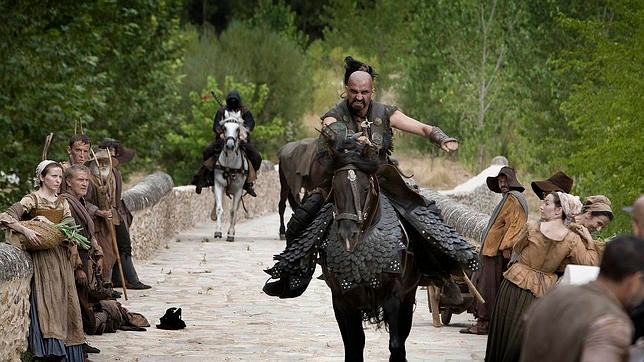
{"type": "Point", "coordinates": [109, 65]}
{"type": "Point", "coordinates": [264, 50]}
{"type": "Point", "coordinates": [461, 77]}
{"type": "Point", "coordinates": [379, 29]}
{"type": "Point", "coordinates": [604, 108]}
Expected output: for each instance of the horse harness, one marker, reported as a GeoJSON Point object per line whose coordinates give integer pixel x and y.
{"type": "Point", "coordinates": [230, 174]}
{"type": "Point", "coordinates": [364, 215]}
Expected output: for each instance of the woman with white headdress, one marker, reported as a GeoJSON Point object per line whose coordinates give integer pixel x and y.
{"type": "Point", "coordinates": [56, 327]}
{"type": "Point", "coordinates": [541, 247]}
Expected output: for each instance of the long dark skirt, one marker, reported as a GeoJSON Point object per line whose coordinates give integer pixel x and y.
{"type": "Point", "coordinates": [489, 280]}
{"type": "Point", "coordinates": [48, 347]}
{"type": "Point", "coordinates": [503, 342]}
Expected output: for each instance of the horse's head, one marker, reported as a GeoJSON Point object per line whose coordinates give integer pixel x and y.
{"type": "Point", "coordinates": [355, 186]}
{"type": "Point", "coordinates": [234, 130]}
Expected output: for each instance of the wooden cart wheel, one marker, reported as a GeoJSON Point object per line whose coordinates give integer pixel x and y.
{"type": "Point", "coordinates": [446, 315]}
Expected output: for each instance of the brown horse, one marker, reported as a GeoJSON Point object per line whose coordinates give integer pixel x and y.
{"type": "Point", "coordinates": [295, 159]}
{"type": "Point", "coordinates": [365, 261]}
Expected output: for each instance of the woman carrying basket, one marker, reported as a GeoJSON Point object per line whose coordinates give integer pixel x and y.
{"type": "Point", "coordinates": [56, 328]}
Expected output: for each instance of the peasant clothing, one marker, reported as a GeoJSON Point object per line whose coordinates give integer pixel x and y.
{"type": "Point", "coordinates": [56, 323]}
{"type": "Point", "coordinates": [577, 323]}
{"type": "Point", "coordinates": [528, 279]}
{"type": "Point", "coordinates": [505, 224]}
{"type": "Point", "coordinates": [540, 257]}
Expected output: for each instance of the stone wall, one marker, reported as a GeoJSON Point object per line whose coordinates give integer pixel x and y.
{"type": "Point", "coordinates": [15, 277]}
{"type": "Point", "coordinates": [161, 211]}
{"type": "Point", "coordinates": [468, 206]}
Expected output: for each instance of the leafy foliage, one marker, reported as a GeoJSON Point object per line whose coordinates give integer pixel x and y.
{"type": "Point", "coordinates": [110, 65]}
{"type": "Point", "coordinates": [552, 85]}
{"type": "Point", "coordinates": [266, 51]}
{"type": "Point", "coordinates": [604, 108]}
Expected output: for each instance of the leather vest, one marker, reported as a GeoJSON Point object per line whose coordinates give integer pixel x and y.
{"type": "Point", "coordinates": [375, 125]}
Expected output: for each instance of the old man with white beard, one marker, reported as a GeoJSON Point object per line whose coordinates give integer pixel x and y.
{"type": "Point", "coordinates": [101, 195]}
{"type": "Point", "coordinates": [106, 186]}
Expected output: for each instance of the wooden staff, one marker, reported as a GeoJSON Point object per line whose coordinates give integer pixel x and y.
{"type": "Point", "coordinates": [473, 289]}
{"type": "Point", "coordinates": [118, 257]}
{"type": "Point", "coordinates": [48, 139]}
{"type": "Point", "coordinates": [111, 226]}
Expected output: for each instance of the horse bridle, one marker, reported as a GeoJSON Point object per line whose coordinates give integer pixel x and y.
{"type": "Point", "coordinates": [230, 173]}
{"type": "Point", "coordinates": [235, 138]}
{"type": "Point", "coordinates": [363, 215]}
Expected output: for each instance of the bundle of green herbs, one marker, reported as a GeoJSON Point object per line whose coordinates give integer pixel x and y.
{"type": "Point", "coordinates": [72, 232]}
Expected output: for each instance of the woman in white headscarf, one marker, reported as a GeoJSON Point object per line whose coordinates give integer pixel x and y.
{"type": "Point", "coordinates": [541, 246]}
{"type": "Point", "coordinates": [56, 327]}
{"type": "Point", "coordinates": [595, 215]}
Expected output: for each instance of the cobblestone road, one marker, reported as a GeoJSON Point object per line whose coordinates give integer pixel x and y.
{"type": "Point", "coordinates": [218, 286]}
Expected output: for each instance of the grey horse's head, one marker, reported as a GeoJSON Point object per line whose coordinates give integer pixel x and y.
{"type": "Point", "coordinates": [234, 130]}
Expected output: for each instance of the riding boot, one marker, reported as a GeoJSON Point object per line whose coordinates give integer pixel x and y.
{"type": "Point", "coordinates": [198, 179]}
{"type": "Point", "coordinates": [130, 274]}
{"type": "Point", "coordinates": [204, 177]}
{"type": "Point", "coordinates": [303, 215]}
{"type": "Point", "coordinates": [248, 186]}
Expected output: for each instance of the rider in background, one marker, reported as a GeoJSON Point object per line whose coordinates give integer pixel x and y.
{"type": "Point", "coordinates": [233, 104]}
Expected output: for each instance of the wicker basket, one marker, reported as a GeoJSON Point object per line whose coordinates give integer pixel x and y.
{"type": "Point", "coordinates": [50, 236]}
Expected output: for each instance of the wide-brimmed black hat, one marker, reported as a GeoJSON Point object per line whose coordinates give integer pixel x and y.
{"type": "Point", "coordinates": [513, 183]}
{"type": "Point", "coordinates": [557, 182]}
{"type": "Point", "coordinates": [123, 154]}
{"type": "Point", "coordinates": [101, 154]}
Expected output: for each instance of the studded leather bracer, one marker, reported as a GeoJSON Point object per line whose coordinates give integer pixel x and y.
{"type": "Point", "coordinates": [438, 137]}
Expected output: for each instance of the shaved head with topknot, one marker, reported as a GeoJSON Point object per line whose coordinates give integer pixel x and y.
{"type": "Point", "coordinates": [351, 65]}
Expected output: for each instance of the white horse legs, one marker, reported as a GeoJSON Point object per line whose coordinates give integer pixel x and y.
{"type": "Point", "coordinates": [217, 210]}
{"type": "Point", "coordinates": [233, 216]}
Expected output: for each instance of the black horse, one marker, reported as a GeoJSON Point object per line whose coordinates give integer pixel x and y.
{"type": "Point", "coordinates": [374, 238]}
{"type": "Point", "coordinates": [379, 282]}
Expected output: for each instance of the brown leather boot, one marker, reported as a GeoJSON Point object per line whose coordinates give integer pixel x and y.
{"type": "Point", "coordinates": [481, 328]}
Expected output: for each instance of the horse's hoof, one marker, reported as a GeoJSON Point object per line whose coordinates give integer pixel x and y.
{"type": "Point", "coordinates": [217, 235]}
{"type": "Point", "coordinates": [230, 238]}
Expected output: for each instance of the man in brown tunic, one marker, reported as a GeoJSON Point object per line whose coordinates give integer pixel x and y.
{"type": "Point", "coordinates": [123, 155]}
{"type": "Point", "coordinates": [589, 322]}
{"type": "Point", "coordinates": [101, 204]}
{"type": "Point", "coordinates": [506, 222]}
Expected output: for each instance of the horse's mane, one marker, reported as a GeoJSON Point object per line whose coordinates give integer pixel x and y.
{"type": "Point", "coordinates": [362, 155]}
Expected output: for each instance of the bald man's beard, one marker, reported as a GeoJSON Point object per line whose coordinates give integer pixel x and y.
{"type": "Point", "coordinates": [358, 107]}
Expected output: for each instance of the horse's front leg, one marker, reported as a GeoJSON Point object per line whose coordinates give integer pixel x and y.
{"type": "Point", "coordinates": [350, 323]}
{"type": "Point", "coordinates": [281, 205]}
{"type": "Point", "coordinates": [233, 215]}
{"type": "Point", "coordinates": [398, 316]}
{"type": "Point", "coordinates": [218, 209]}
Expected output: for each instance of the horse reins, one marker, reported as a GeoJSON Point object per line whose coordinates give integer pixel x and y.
{"type": "Point", "coordinates": [361, 213]}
